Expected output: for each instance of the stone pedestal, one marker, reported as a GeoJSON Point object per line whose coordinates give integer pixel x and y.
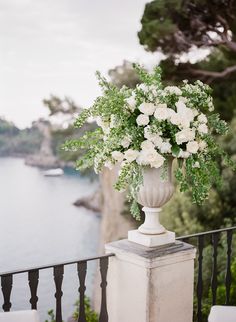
{"type": "Point", "coordinates": [150, 284]}
{"type": "Point", "coordinates": [168, 237]}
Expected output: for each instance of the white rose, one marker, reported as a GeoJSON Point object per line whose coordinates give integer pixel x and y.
{"type": "Point", "coordinates": [202, 118]}
{"type": "Point", "coordinates": [147, 108]}
{"type": "Point", "coordinates": [202, 145]}
{"type": "Point", "coordinates": [202, 128]}
{"type": "Point", "coordinates": [165, 147]}
{"type": "Point", "coordinates": [109, 165]}
{"type": "Point", "coordinates": [163, 113]}
{"type": "Point", "coordinates": [125, 142]}
{"type": "Point", "coordinates": [184, 136]}
{"type": "Point", "coordinates": [117, 156]}
{"type": "Point", "coordinates": [147, 145]}
{"type": "Point", "coordinates": [192, 147]}
{"type": "Point", "coordinates": [157, 140]}
{"type": "Point", "coordinates": [142, 120]}
{"type": "Point", "coordinates": [176, 119]}
{"type": "Point", "coordinates": [173, 90]}
{"type": "Point", "coordinates": [130, 155]}
{"type": "Point", "coordinates": [185, 112]}
{"type": "Point", "coordinates": [158, 162]}
{"type": "Point", "coordinates": [131, 102]}
{"type": "Point", "coordinates": [183, 154]}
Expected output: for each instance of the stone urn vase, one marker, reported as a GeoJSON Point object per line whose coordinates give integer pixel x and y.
{"type": "Point", "coordinates": [156, 190]}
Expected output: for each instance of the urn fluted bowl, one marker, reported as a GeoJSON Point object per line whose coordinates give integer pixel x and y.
{"type": "Point", "coordinates": [156, 190]}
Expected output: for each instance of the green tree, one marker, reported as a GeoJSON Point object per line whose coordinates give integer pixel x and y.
{"type": "Point", "coordinates": [178, 27]}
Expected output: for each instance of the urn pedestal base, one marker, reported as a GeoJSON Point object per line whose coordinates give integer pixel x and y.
{"type": "Point", "coordinates": [151, 240]}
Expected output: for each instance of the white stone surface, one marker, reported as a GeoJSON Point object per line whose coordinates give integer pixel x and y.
{"type": "Point", "coordinates": [20, 316]}
{"type": "Point", "coordinates": [136, 236]}
{"type": "Point", "coordinates": [150, 284]}
{"type": "Point", "coordinates": [151, 223]}
{"type": "Point", "coordinates": [222, 314]}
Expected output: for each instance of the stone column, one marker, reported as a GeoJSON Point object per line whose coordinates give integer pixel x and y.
{"type": "Point", "coordinates": [150, 284]}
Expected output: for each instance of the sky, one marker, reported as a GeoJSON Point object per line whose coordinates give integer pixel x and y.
{"type": "Point", "coordinates": [55, 47]}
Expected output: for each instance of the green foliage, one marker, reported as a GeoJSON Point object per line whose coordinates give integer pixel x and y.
{"type": "Point", "coordinates": [91, 315]}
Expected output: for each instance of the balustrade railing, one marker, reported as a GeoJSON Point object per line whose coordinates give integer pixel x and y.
{"type": "Point", "coordinates": [210, 287]}
{"type": "Point", "coordinates": [58, 272]}
{"type": "Point", "coordinates": [208, 273]}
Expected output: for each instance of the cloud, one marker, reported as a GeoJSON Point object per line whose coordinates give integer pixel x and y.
{"type": "Point", "coordinates": [51, 46]}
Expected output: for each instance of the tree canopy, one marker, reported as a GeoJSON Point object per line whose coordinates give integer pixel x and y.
{"type": "Point", "coordinates": [179, 27]}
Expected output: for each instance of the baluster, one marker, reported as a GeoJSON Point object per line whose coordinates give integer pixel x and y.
{"type": "Point", "coordinates": [215, 241]}
{"type": "Point", "coordinates": [82, 268]}
{"type": "Point", "coordinates": [228, 267]}
{"type": "Point", "coordinates": [58, 272]}
{"type": "Point", "coordinates": [103, 269]}
{"type": "Point", "coordinates": [199, 279]}
{"type": "Point", "coordinates": [6, 283]}
{"type": "Point", "coordinates": [33, 278]}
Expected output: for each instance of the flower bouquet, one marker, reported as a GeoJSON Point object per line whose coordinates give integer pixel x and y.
{"type": "Point", "coordinates": [146, 127]}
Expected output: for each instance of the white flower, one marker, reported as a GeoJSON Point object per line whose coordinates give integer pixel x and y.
{"type": "Point", "coordinates": [158, 162]}
{"type": "Point", "coordinates": [147, 145]}
{"type": "Point", "coordinates": [196, 165]}
{"type": "Point", "coordinates": [142, 120]}
{"type": "Point", "coordinates": [184, 136]}
{"type": "Point", "coordinates": [150, 157]}
{"type": "Point", "coordinates": [147, 108]}
{"type": "Point", "coordinates": [202, 118]}
{"type": "Point", "coordinates": [131, 102]}
{"type": "Point", "coordinates": [195, 112]}
{"type": "Point", "coordinates": [117, 156]}
{"type": "Point", "coordinates": [104, 125]}
{"type": "Point", "coordinates": [202, 145]}
{"type": "Point", "coordinates": [113, 121]}
{"type": "Point", "coordinates": [202, 128]}
{"type": "Point", "coordinates": [157, 140]}
{"type": "Point", "coordinates": [109, 165]}
{"type": "Point", "coordinates": [183, 154]}
{"type": "Point", "coordinates": [183, 99]}
{"type": "Point", "coordinates": [125, 142]}
{"type": "Point", "coordinates": [165, 147]}
{"type": "Point", "coordinates": [161, 105]}
{"type": "Point", "coordinates": [143, 87]}
{"type": "Point", "coordinates": [192, 147]}
{"type": "Point", "coordinates": [186, 113]}
{"type": "Point", "coordinates": [130, 155]}
{"type": "Point", "coordinates": [173, 90]}
{"type": "Point", "coordinates": [163, 113]}
{"type": "Point", "coordinates": [176, 119]}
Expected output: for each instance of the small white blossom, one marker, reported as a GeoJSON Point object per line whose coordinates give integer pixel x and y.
{"type": "Point", "coordinates": [147, 108]}
{"type": "Point", "coordinates": [202, 118]}
{"type": "Point", "coordinates": [173, 90]}
{"type": "Point", "coordinates": [117, 156]}
{"type": "Point", "coordinates": [130, 155]}
{"type": "Point", "coordinates": [202, 145]}
{"type": "Point", "coordinates": [147, 145]}
{"type": "Point", "coordinates": [196, 165]}
{"type": "Point", "coordinates": [142, 120]}
{"type": "Point", "coordinates": [143, 87]}
{"type": "Point", "coordinates": [163, 113]}
{"type": "Point", "coordinates": [113, 121]}
{"type": "Point", "coordinates": [183, 154]}
{"type": "Point", "coordinates": [184, 136]}
{"type": "Point", "coordinates": [125, 142]}
{"type": "Point", "coordinates": [131, 102]}
{"type": "Point", "coordinates": [203, 129]}
{"type": "Point", "coordinates": [165, 147]}
{"type": "Point", "coordinates": [192, 147]}
{"type": "Point", "coordinates": [109, 165]}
